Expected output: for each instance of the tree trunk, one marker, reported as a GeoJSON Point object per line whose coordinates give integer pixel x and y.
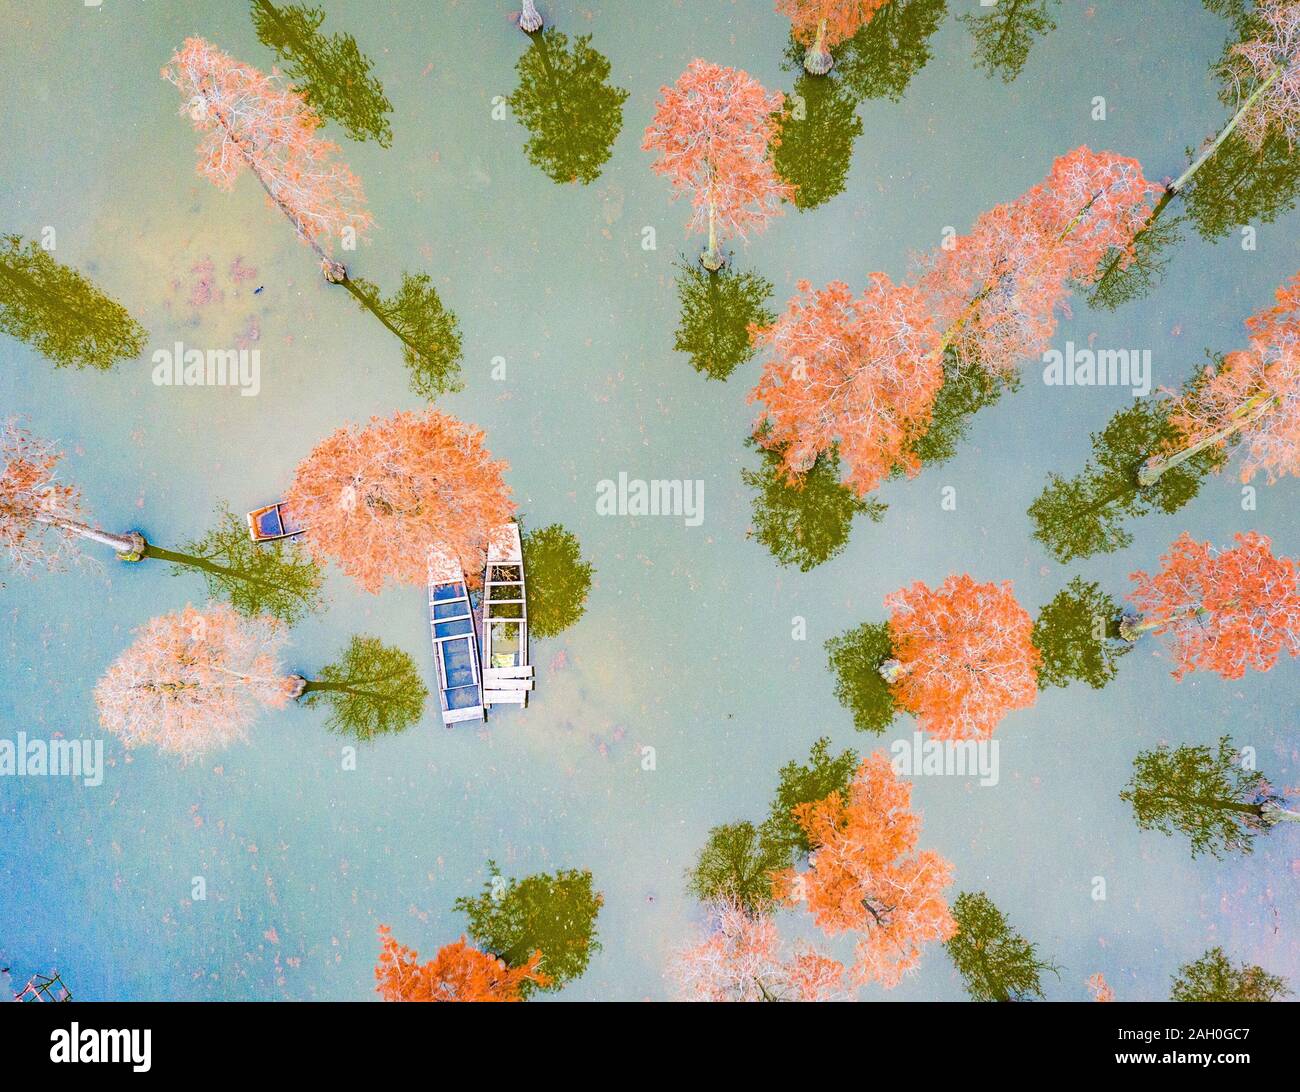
{"type": "Point", "coordinates": [1247, 413]}
{"type": "Point", "coordinates": [1186, 176]}
{"type": "Point", "coordinates": [710, 258]}
{"type": "Point", "coordinates": [817, 60]}
{"type": "Point", "coordinates": [129, 547]}
{"type": "Point", "coordinates": [892, 670]}
{"type": "Point", "coordinates": [530, 19]}
{"type": "Point", "coordinates": [1175, 188]}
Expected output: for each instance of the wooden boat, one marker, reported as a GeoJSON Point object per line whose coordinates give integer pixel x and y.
{"type": "Point", "coordinates": [507, 674]}
{"type": "Point", "coordinates": [273, 523]}
{"type": "Point", "coordinates": [455, 644]}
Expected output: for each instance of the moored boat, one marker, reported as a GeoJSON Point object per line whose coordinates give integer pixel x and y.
{"type": "Point", "coordinates": [507, 674]}
{"type": "Point", "coordinates": [273, 523]}
{"type": "Point", "coordinates": [455, 643]}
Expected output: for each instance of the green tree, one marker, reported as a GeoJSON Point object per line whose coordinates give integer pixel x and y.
{"type": "Point", "coordinates": [1214, 978]}
{"type": "Point", "coordinates": [429, 333]}
{"type": "Point", "coordinates": [1006, 32]}
{"type": "Point", "coordinates": [1243, 185]}
{"type": "Point", "coordinates": [60, 313]}
{"type": "Point", "coordinates": [275, 578]}
{"type": "Point", "coordinates": [1122, 283]}
{"type": "Point", "coordinates": [554, 914]}
{"type": "Point", "coordinates": [880, 60]}
{"type": "Point", "coordinates": [736, 865]}
{"type": "Point", "coordinates": [717, 311]}
{"type": "Point", "coordinates": [816, 129]}
{"type": "Point", "coordinates": [803, 784]}
{"type": "Point", "coordinates": [855, 661]}
{"type": "Point", "coordinates": [557, 580]}
{"type": "Point", "coordinates": [1205, 793]}
{"type": "Point", "coordinates": [1085, 515]}
{"type": "Point", "coordinates": [995, 962]}
{"type": "Point", "coordinates": [572, 112]}
{"type": "Point", "coordinates": [372, 690]}
{"type": "Point", "coordinates": [330, 72]}
{"type": "Point", "coordinates": [803, 523]}
{"type": "Point", "coordinates": [1078, 635]}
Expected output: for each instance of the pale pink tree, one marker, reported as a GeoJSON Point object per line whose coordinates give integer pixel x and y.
{"type": "Point", "coordinates": [1221, 610]}
{"type": "Point", "coordinates": [964, 655]}
{"type": "Point", "coordinates": [194, 681]}
{"type": "Point", "coordinates": [1271, 63]}
{"type": "Point", "coordinates": [713, 132]}
{"type": "Point", "coordinates": [861, 372]}
{"type": "Point", "coordinates": [742, 958]}
{"type": "Point", "coordinates": [1251, 397]}
{"type": "Point", "coordinates": [256, 122]}
{"type": "Point", "coordinates": [41, 518]}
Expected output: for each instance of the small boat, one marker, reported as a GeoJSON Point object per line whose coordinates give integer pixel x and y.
{"type": "Point", "coordinates": [507, 674]}
{"type": "Point", "coordinates": [273, 523]}
{"type": "Point", "coordinates": [455, 644]}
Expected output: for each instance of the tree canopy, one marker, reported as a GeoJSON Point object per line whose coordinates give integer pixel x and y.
{"type": "Point", "coordinates": [1078, 636]}
{"type": "Point", "coordinates": [60, 313]}
{"type": "Point", "coordinates": [1214, 977]}
{"type": "Point", "coordinates": [330, 71]}
{"type": "Point", "coordinates": [552, 913]}
{"type": "Point", "coordinates": [373, 689]}
{"type": "Point", "coordinates": [718, 311]}
{"type": "Point", "coordinates": [1203, 792]}
{"type": "Point", "coordinates": [572, 112]}
{"type": "Point", "coordinates": [996, 963]}
{"type": "Point", "coordinates": [557, 579]}
{"type": "Point", "coordinates": [807, 521]}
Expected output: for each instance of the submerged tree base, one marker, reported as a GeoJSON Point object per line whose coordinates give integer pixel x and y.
{"type": "Point", "coordinates": [712, 260]}
{"type": "Point", "coordinates": [530, 19]}
{"type": "Point", "coordinates": [139, 546]}
{"type": "Point", "coordinates": [817, 62]}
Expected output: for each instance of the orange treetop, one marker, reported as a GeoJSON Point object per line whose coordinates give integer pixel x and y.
{"type": "Point", "coordinates": [375, 499]}
{"type": "Point", "coordinates": [457, 973]}
{"type": "Point", "coordinates": [1222, 610]}
{"type": "Point", "coordinates": [967, 655]}
{"type": "Point", "coordinates": [866, 877]}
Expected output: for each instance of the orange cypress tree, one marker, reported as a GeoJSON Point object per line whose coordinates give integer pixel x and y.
{"type": "Point", "coordinates": [457, 973]}
{"type": "Point", "coordinates": [866, 877]}
{"type": "Point", "coordinates": [1220, 610]}
{"type": "Point", "coordinates": [375, 499]}
{"type": "Point", "coordinates": [861, 372]}
{"type": "Point", "coordinates": [964, 656]}
{"type": "Point", "coordinates": [712, 132]}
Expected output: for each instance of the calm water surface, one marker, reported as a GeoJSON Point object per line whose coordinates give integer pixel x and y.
{"type": "Point", "coordinates": [686, 645]}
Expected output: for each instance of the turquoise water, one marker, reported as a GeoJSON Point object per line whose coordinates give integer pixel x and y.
{"type": "Point", "coordinates": [686, 645]}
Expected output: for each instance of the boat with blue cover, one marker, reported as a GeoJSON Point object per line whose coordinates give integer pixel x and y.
{"type": "Point", "coordinates": [455, 641]}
